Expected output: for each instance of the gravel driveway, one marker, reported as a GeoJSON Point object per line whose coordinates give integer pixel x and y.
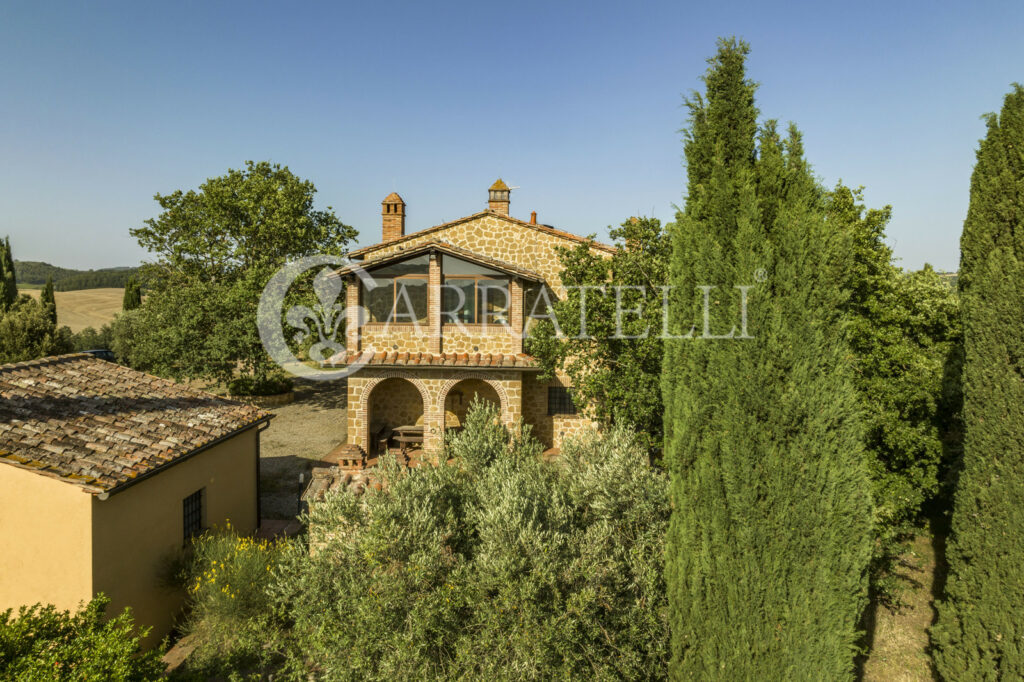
{"type": "Point", "coordinates": [299, 434]}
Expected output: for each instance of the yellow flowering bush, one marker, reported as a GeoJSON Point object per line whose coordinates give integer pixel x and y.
{"type": "Point", "coordinates": [227, 586]}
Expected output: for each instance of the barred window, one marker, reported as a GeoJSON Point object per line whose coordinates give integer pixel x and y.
{"type": "Point", "coordinates": [560, 401]}
{"type": "Point", "coordinates": [192, 512]}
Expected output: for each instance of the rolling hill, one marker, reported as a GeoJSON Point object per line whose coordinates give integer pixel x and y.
{"type": "Point", "coordinates": [35, 273]}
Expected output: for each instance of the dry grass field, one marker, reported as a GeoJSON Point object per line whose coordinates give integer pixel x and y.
{"type": "Point", "coordinates": [85, 308]}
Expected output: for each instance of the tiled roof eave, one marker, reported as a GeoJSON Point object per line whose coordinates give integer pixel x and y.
{"type": "Point", "coordinates": [86, 483]}
{"type": "Point", "coordinates": [103, 426]}
{"type": "Point", "coordinates": [540, 228]}
{"type": "Point", "coordinates": [472, 361]}
{"type": "Point", "coordinates": [188, 455]}
{"type": "Point", "coordinates": [451, 249]}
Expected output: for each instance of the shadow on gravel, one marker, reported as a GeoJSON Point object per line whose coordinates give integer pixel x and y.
{"type": "Point", "coordinates": [322, 395]}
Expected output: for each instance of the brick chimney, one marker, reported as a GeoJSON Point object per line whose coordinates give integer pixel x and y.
{"type": "Point", "coordinates": [497, 197]}
{"type": "Point", "coordinates": [393, 210]}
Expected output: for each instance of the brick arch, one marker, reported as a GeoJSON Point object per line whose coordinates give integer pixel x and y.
{"type": "Point", "coordinates": [442, 395]}
{"type": "Point", "coordinates": [363, 409]}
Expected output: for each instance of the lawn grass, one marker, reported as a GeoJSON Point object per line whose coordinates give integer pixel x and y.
{"type": "Point", "coordinates": [898, 638]}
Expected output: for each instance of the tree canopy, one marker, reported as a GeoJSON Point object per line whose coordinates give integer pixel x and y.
{"type": "Point", "coordinates": [904, 331]}
{"type": "Point", "coordinates": [614, 357]}
{"type": "Point", "coordinates": [216, 248]}
{"type": "Point", "coordinates": [42, 643]}
{"type": "Point", "coordinates": [48, 300]}
{"type": "Point", "coordinates": [132, 298]}
{"type": "Point", "coordinates": [8, 285]}
{"type": "Point", "coordinates": [497, 566]}
{"type": "Point", "coordinates": [68, 279]}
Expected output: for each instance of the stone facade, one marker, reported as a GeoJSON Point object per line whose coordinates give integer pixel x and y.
{"type": "Point", "coordinates": [529, 246]}
{"type": "Point", "coordinates": [399, 397]}
{"type": "Point", "coordinates": [437, 397]}
{"type": "Point", "coordinates": [549, 429]}
{"type": "Point", "coordinates": [412, 338]}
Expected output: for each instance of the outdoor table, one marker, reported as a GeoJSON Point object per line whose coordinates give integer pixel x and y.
{"type": "Point", "coordinates": [408, 435]}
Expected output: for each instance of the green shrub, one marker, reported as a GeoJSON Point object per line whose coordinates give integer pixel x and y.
{"type": "Point", "coordinates": [497, 566]}
{"type": "Point", "coordinates": [903, 327]}
{"type": "Point", "coordinates": [254, 386]}
{"type": "Point", "coordinates": [42, 643]}
{"type": "Point", "coordinates": [91, 339]}
{"type": "Point", "coordinates": [27, 332]}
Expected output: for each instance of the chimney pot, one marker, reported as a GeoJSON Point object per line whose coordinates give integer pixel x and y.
{"type": "Point", "coordinates": [533, 217]}
{"type": "Point", "coordinates": [498, 197]}
{"type": "Point", "coordinates": [393, 211]}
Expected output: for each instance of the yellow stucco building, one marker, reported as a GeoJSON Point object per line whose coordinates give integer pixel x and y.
{"type": "Point", "coordinates": [106, 473]}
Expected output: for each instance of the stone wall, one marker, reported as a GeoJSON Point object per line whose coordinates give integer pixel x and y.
{"type": "Point", "coordinates": [550, 429]}
{"type": "Point", "coordinates": [495, 236]}
{"type": "Point", "coordinates": [395, 402]}
{"type": "Point", "coordinates": [467, 338]}
{"type": "Point", "coordinates": [395, 397]}
{"type": "Point", "coordinates": [404, 338]}
{"type": "Point", "coordinates": [370, 400]}
{"type": "Point", "coordinates": [477, 338]}
{"type": "Point", "coordinates": [462, 395]}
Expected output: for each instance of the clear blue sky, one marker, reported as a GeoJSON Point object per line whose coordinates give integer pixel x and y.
{"type": "Point", "coordinates": [102, 105]}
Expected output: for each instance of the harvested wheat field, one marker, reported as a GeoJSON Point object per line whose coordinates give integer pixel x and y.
{"type": "Point", "coordinates": [86, 307]}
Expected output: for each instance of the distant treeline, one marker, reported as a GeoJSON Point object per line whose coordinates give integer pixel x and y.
{"type": "Point", "coordinates": [66, 279]}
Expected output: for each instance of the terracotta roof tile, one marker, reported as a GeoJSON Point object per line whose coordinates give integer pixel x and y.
{"type": "Point", "coordinates": [98, 424]}
{"type": "Point", "coordinates": [394, 358]}
{"type": "Point", "coordinates": [547, 229]}
{"type": "Point", "coordinates": [443, 247]}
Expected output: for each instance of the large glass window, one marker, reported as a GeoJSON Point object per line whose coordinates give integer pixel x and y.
{"type": "Point", "coordinates": [473, 294]}
{"type": "Point", "coordinates": [399, 293]}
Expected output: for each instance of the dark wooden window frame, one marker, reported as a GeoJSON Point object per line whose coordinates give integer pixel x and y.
{"type": "Point", "coordinates": [476, 298]}
{"type": "Point", "coordinates": [394, 300]}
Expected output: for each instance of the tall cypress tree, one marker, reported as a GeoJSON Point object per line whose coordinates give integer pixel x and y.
{"type": "Point", "coordinates": [132, 298]}
{"type": "Point", "coordinates": [770, 535]}
{"type": "Point", "coordinates": [48, 300]}
{"type": "Point", "coordinates": [980, 629]}
{"type": "Point", "coordinates": [4, 305]}
{"type": "Point", "coordinates": [10, 284]}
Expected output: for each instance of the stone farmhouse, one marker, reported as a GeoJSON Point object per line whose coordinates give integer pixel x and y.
{"type": "Point", "coordinates": [106, 473]}
{"type": "Point", "coordinates": [447, 309]}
